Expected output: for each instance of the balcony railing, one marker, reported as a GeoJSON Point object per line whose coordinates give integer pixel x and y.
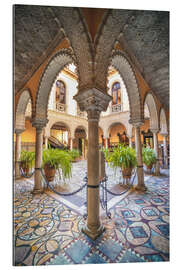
{"type": "Point", "coordinates": [117, 108]}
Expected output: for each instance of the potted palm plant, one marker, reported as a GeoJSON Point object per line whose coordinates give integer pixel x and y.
{"type": "Point", "coordinates": [125, 158]}
{"type": "Point", "coordinates": [54, 159]}
{"type": "Point", "coordinates": [27, 159]}
{"type": "Point", "coordinates": [74, 154]}
{"type": "Point", "coordinates": [149, 157]}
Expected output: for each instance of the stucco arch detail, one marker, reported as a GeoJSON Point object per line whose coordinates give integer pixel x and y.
{"type": "Point", "coordinates": [122, 64]}
{"type": "Point", "coordinates": [21, 109]}
{"type": "Point", "coordinates": [163, 122]}
{"type": "Point", "coordinates": [150, 101]}
{"type": "Point", "coordinates": [55, 65]}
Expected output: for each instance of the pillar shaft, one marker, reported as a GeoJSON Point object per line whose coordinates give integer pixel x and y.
{"type": "Point", "coordinates": [165, 151]}
{"type": "Point", "coordinates": [140, 171]}
{"type": "Point", "coordinates": [17, 154]}
{"type": "Point", "coordinates": [71, 143]}
{"type": "Point", "coordinates": [106, 143]}
{"type": "Point", "coordinates": [46, 142]}
{"type": "Point", "coordinates": [38, 160]}
{"type": "Point", "coordinates": [155, 141]}
{"type": "Point", "coordinates": [93, 101]}
{"type": "Point", "coordinates": [93, 222]}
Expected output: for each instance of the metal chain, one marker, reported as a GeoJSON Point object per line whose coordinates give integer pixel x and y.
{"type": "Point", "coordinates": [59, 193]}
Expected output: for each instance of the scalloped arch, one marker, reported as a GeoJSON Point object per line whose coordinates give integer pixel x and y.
{"type": "Point", "coordinates": [55, 65]}
{"type": "Point", "coordinates": [163, 122]}
{"type": "Point", "coordinates": [121, 63]}
{"type": "Point", "coordinates": [21, 109]}
{"type": "Point", "coordinates": [150, 101]}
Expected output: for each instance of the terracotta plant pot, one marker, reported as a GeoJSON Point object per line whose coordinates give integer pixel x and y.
{"type": "Point", "coordinates": [127, 172]}
{"type": "Point", "coordinates": [49, 172]}
{"type": "Point", "coordinates": [149, 167]}
{"type": "Point", "coordinates": [25, 168]}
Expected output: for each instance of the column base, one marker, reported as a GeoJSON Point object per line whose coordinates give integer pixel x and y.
{"type": "Point", "coordinates": [140, 188]}
{"type": "Point", "coordinates": [93, 234]}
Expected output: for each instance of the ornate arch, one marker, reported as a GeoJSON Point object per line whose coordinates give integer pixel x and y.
{"type": "Point", "coordinates": [55, 65]}
{"type": "Point", "coordinates": [76, 31]}
{"type": "Point", "coordinates": [163, 122]}
{"type": "Point", "coordinates": [21, 109]}
{"type": "Point", "coordinates": [122, 64]}
{"type": "Point", "coordinates": [83, 127]}
{"type": "Point", "coordinates": [150, 101]}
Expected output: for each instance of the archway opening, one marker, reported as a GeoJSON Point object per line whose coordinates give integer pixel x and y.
{"type": "Point", "coordinates": [117, 134]}
{"type": "Point", "coordinates": [80, 141]}
{"type": "Point", "coordinates": [59, 136]}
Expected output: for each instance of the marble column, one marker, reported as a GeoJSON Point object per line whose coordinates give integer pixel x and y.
{"type": "Point", "coordinates": [46, 142]}
{"type": "Point", "coordinates": [17, 153]}
{"type": "Point", "coordinates": [93, 101]}
{"type": "Point", "coordinates": [71, 143]}
{"type": "Point", "coordinates": [106, 143]}
{"type": "Point", "coordinates": [155, 141]}
{"type": "Point", "coordinates": [140, 172]}
{"type": "Point", "coordinates": [130, 141]}
{"type": "Point", "coordinates": [165, 149]}
{"type": "Point", "coordinates": [39, 125]}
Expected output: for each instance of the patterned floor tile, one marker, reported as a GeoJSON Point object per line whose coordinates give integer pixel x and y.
{"type": "Point", "coordinates": [48, 232]}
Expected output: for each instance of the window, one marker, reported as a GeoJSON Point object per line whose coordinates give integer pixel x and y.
{"type": "Point", "coordinates": [116, 95]}
{"type": "Point", "coordinates": [60, 92]}
{"type": "Point", "coordinates": [60, 96]}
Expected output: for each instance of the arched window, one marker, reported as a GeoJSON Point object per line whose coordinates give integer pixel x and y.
{"type": "Point", "coordinates": [60, 92]}
{"type": "Point", "coordinates": [60, 96]}
{"type": "Point", "coordinates": [116, 95]}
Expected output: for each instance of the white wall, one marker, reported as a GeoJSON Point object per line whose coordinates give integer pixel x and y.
{"type": "Point", "coordinates": [71, 90]}
{"type": "Point", "coordinates": [124, 97]}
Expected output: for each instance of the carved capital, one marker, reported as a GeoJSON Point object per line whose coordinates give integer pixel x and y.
{"type": "Point", "coordinates": [92, 100]}
{"type": "Point", "coordinates": [136, 122]}
{"type": "Point", "coordinates": [39, 123]}
{"type": "Point", "coordinates": [19, 131]}
{"type": "Point", "coordinates": [155, 130]}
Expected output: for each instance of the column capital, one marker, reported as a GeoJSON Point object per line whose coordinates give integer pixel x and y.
{"type": "Point", "coordinates": [136, 122]}
{"type": "Point", "coordinates": [154, 130]}
{"type": "Point", "coordinates": [92, 100]}
{"type": "Point", "coordinates": [39, 123]}
{"type": "Point", "coordinates": [164, 134]}
{"type": "Point", "coordinates": [19, 131]}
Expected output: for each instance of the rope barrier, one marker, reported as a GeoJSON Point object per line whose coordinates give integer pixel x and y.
{"type": "Point", "coordinates": [59, 193]}
{"type": "Point", "coordinates": [25, 175]}
{"type": "Point", "coordinates": [118, 194]}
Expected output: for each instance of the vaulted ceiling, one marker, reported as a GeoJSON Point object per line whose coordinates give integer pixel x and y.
{"type": "Point", "coordinates": [144, 35]}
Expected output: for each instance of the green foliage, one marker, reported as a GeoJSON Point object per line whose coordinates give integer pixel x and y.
{"type": "Point", "coordinates": [107, 154]}
{"type": "Point", "coordinates": [149, 156]}
{"type": "Point", "coordinates": [123, 157]}
{"type": "Point", "coordinates": [58, 159]}
{"type": "Point", "coordinates": [27, 159]}
{"type": "Point", "coordinates": [74, 153]}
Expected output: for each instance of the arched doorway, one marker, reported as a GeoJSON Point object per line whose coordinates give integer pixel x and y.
{"type": "Point", "coordinates": [59, 136]}
{"type": "Point", "coordinates": [80, 141]}
{"type": "Point", "coordinates": [117, 134]}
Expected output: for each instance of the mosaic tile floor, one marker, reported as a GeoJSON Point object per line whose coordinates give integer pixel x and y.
{"type": "Point", "coordinates": [48, 231]}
